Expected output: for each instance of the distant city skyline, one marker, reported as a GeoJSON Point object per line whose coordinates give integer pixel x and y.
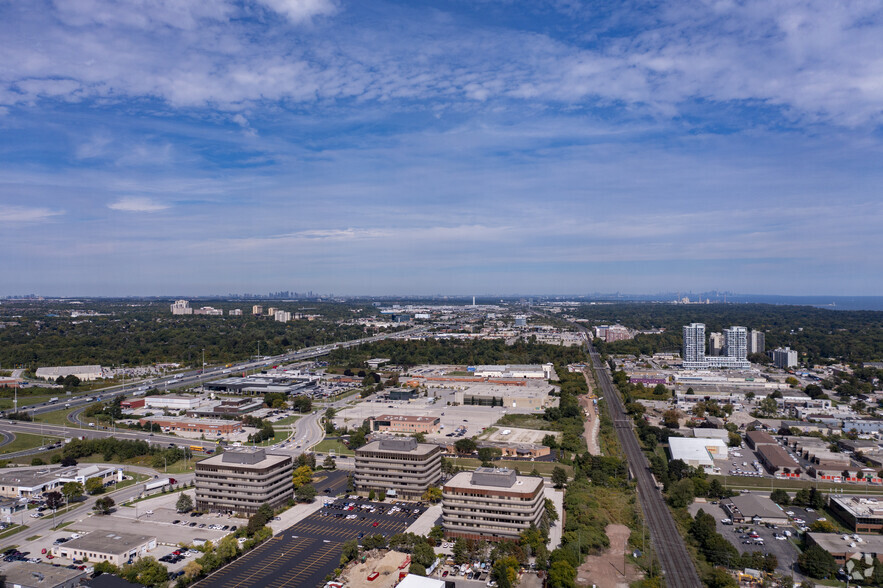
{"type": "Point", "coordinates": [421, 148]}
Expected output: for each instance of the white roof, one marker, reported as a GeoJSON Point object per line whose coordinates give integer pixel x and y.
{"type": "Point", "coordinates": [694, 450]}
{"type": "Point", "coordinates": [415, 581]}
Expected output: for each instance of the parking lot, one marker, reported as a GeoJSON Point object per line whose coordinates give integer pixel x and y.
{"type": "Point", "coordinates": [333, 483]}
{"type": "Point", "coordinates": [740, 535]}
{"type": "Point", "coordinates": [306, 552]}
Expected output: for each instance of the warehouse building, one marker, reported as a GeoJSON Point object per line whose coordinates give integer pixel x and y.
{"type": "Point", "coordinates": [755, 439]}
{"type": "Point", "coordinates": [86, 373]}
{"type": "Point", "coordinates": [241, 480]}
{"type": "Point", "coordinates": [399, 467]}
{"type": "Point", "coordinates": [491, 504]}
{"type": "Point", "coordinates": [400, 423]}
{"type": "Point", "coordinates": [515, 395]}
{"type": "Point", "coordinates": [188, 425]}
{"type": "Point", "coordinates": [753, 508]}
{"type": "Point", "coordinates": [173, 402]}
{"type": "Point", "coordinates": [543, 372]}
{"type": "Point", "coordinates": [112, 547]}
{"type": "Point", "coordinates": [697, 452]}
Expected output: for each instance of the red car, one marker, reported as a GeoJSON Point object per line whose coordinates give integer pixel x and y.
{"type": "Point", "coordinates": [375, 524]}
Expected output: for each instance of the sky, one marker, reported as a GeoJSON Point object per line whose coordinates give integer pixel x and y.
{"type": "Point", "coordinates": [174, 147]}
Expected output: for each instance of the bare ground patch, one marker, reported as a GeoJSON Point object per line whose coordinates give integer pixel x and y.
{"type": "Point", "coordinates": [610, 570]}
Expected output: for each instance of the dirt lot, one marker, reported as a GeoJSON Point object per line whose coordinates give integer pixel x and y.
{"type": "Point", "coordinates": [606, 570]}
{"type": "Point", "coordinates": [519, 435]}
{"type": "Point", "coordinates": [387, 566]}
{"type": "Point", "coordinates": [592, 424]}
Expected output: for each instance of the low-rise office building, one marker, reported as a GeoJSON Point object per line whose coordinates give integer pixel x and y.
{"type": "Point", "coordinates": [399, 467]}
{"type": "Point", "coordinates": [844, 547]}
{"type": "Point", "coordinates": [173, 402]}
{"type": "Point", "coordinates": [516, 394]}
{"type": "Point", "coordinates": [862, 514]}
{"type": "Point", "coordinates": [34, 481]}
{"type": "Point", "coordinates": [24, 574]}
{"type": "Point", "coordinates": [400, 423]}
{"type": "Point", "coordinates": [491, 504]}
{"type": "Point", "coordinates": [748, 508]}
{"type": "Point", "coordinates": [98, 546]}
{"type": "Point", "coordinates": [241, 480]}
{"type": "Point", "coordinates": [543, 372]}
{"type": "Point", "coordinates": [188, 425]}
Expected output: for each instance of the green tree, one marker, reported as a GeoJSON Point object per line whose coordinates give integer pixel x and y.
{"type": "Point", "coordinates": [768, 406]}
{"type": "Point", "coordinates": [305, 493]}
{"type": "Point", "coordinates": [562, 574]}
{"type": "Point", "coordinates": [681, 493]}
{"type": "Point", "coordinates": [329, 463]}
{"type": "Point", "coordinates": [54, 499]}
{"type": "Point", "coordinates": [432, 494]}
{"type": "Point", "coordinates": [487, 454]}
{"type": "Point", "coordinates": [780, 497]}
{"type": "Point", "coordinates": [146, 571]}
{"type": "Point", "coordinates": [817, 563]}
{"type": "Point", "coordinates": [670, 419]}
{"type": "Point", "coordinates": [559, 477]}
{"type": "Point", "coordinates": [436, 534]}
{"type": "Point", "coordinates": [94, 486]}
{"type": "Point", "coordinates": [104, 505]}
{"type": "Point", "coordinates": [350, 551]}
{"type": "Point", "coordinates": [184, 503]}
{"type": "Point", "coordinates": [460, 551]}
{"type": "Point", "coordinates": [505, 571]}
{"type": "Point", "coordinates": [466, 445]}
{"type": "Point", "coordinates": [72, 490]}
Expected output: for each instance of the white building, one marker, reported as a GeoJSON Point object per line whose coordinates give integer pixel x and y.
{"type": "Point", "coordinates": [544, 372]}
{"type": "Point", "coordinates": [756, 342]}
{"type": "Point", "coordinates": [694, 346]}
{"type": "Point", "coordinates": [181, 307]}
{"type": "Point", "coordinates": [86, 373]}
{"type": "Point", "coordinates": [235, 312]}
{"type": "Point", "coordinates": [734, 353]}
{"type": "Point", "coordinates": [698, 452]}
{"type": "Point", "coordinates": [282, 316]}
{"type": "Point", "coordinates": [715, 343]}
{"type": "Point", "coordinates": [173, 402]}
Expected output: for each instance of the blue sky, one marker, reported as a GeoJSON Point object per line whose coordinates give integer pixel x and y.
{"type": "Point", "coordinates": [161, 147]}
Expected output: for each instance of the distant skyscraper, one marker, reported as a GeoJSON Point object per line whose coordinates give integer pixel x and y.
{"type": "Point", "coordinates": [756, 342]}
{"type": "Point", "coordinates": [694, 346]}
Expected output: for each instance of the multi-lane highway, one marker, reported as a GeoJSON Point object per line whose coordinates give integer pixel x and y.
{"type": "Point", "coordinates": [677, 567]}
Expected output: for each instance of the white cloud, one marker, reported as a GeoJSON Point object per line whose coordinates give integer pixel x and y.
{"type": "Point", "coordinates": [298, 11]}
{"type": "Point", "coordinates": [137, 204]}
{"type": "Point", "coordinates": [22, 214]}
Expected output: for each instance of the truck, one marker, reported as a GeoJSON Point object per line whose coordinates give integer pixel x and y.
{"type": "Point", "coordinates": [159, 483]}
{"type": "Point", "coordinates": [53, 400]}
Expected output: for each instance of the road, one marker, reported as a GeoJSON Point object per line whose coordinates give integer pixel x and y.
{"type": "Point", "coordinates": [677, 567]}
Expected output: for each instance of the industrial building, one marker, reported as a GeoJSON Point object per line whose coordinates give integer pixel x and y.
{"type": "Point", "coordinates": [515, 394]}
{"type": "Point", "coordinates": [189, 425]}
{"type": "Point", "coordinates": [24, 574]}
{"type": "Point", "coordinates": [697, 452]}
{"type": "Point", "coordinates": [241, 480]}
{"type": "Point", "coordinates": [754, 508]}
{"type": "Point", "coordinates": [755, 439]}
{"type": "Point", "coordinates": [173, 402]}
{"type": "Point", "coordinates": [399, 423]}
{"type": "Point", "coordinates": [543, 372]}
{"type": "Point", "coordinates": [86, 373]}
{"type": "Point", "coordinates": [263, 384]}
{"type": "Point", "coordinates": [112, 547]}
{"type": "Point", "coordinates": [399, 467]}
{"type": "Point", "coordinates": [845, 547]}
{"type": "Point", "coordinates": [491, 504]}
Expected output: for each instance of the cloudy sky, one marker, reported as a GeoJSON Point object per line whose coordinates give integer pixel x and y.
{"type": "Point", "coordinates": [450, 146]}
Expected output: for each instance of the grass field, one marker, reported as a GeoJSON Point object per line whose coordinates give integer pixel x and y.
{"type": "Point", "coordinates": [12, 531]}
{"type": "Point", "coordinates": [57, 417]}
{"type": "Point", "coordinates": [525, 421]}
{"type": "Point", "coordinates": [25, 441]}
{"type": "Point", "coordinates": [769, 484]}
{"type": "Point", "coordinates": [287, 420]}
{"type": "Point", "coordinates": [329, 445]}
{"type": "Point", "coordinates": [6, 403]}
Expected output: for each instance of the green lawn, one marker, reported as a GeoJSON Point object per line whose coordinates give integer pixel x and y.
{"type": "Point", "coordinates": [525, 421]}
{"type": "Point", "coordinates": [287, 420]}
{"type": "Point", "coordinates": [12, 531]}
{"type": "Point", "coordinates": [25, 441]}
{"type": "Point", "coordinates": [6, 403]}
{"type": "Point", "coordinates": [179, 467]}
{"type": "Point", "coordinates": [56, 417]}
{"type": "Point", "coordinates": [329, 445]}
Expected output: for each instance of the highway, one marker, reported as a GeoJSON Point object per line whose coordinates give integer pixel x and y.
{"type": "Point", "coordinates": [677, 567]}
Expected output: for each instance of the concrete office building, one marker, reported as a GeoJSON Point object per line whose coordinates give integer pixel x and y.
{"type": "Point", "coordinates": [399, 467]}
{"type": "Point", "coordinates": [784, 357]}
{"type": "Point", "coordinates": [862, 514]}
{"type": "Point", "coordinates": [400, 423]}
{"type": "Point", "coordinates": [98, 546]}
{"type": "Point", "coordinates": [756, 342]}
{"type": "Point", "coordinates": [241, 480]}
{"type": "Point", "coordinates": [491, 504]}
{"type": "Point", "coordinates": [181, 307]}
{"type": "Point", "coordinates": [845, 547]}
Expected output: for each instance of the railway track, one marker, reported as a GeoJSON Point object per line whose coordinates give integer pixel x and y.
{"type": "Point", "coordinates": [677, 566]}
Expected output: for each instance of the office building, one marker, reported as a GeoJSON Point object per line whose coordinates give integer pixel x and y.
{"type": "Point", "coordinates": [491, 504]}
{"type": "Point", "coordinates": [756, 342]}
{"type": "Point", "coordinates": [399, 423]}
{"type": "Point", "coordinates": [24, 574]}
{"type": "Point", "coordinates": [784, 358]}
{"type": "Point", "coordinates": [235, 312]}
{"type": "Point", "coordinates": [862, 514]}
{"type": "Point", "coordinates": [399, 467]}
{"type": "Point", "coordinates": [209, 311]}
{"type": "Point", "coordinates": [34, 481]}
{"type": "Point", "coordinates": [845, 547]}
{"type": "Point", "coordinates": [170, 424]}
{"type": "Point", "coordinates": [693, 353]}
{"type": "Point", "coordinates": [241, 480]}
{"type": "Point", "coordinates": [112, 547]}
{"type": "Point", "coordinates": [521, 320]}
{"type": "Point", "coordinates": [181, 307]}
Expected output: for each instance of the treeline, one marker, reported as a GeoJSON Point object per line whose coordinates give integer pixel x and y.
{"type": "Point", "coordinates": [457, 352]}
{"type": "Point", "coordinates": [148, 333]}
{"type": "Point", "coordinates": [113, 450]}
{"type": "Point", "coordinates": [853, 336]}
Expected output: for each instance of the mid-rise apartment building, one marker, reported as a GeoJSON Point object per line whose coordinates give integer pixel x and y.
{"type": "Point", "coordinates": [398, 467]}
{"type": "Point", "coordinates": [733, 353]}
{"type": "Point", "coordinates": [491, 504]}
{"type": "Point", "coordinates": [784, 357]}
{"type": "Point", "coordinates": [241, 480]}
{"type": "Point", "coordinates": [756, 342]}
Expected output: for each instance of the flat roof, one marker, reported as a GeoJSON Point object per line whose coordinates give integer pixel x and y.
{"type": "Point", "coordinates": [269, 460]}
{"type": "Point", "coordinates": [760, 438]}
{"type": "Point", "coordinates": [777, 456]}
{"type": "Point", "coordinates": [751, 505]}
{"type": "Point", "coordinates": [419, 449]}
{"type": "Point", "coordinates": [834, 543]}
{"type": "Point", "coordinates": [525, 484]}
{"type": "Point", "coordinates": [35, 476]}
{"type": "Point", "coordinates": [405, 418]}
{"type": "Point", "coordinates": [108, 542]}
{"type": "Point", "coordinates": [860, 506]}
{"type": "Point", "coordinates": [38, 574]}
{"type": "Point", "coordinates": [694, 449]}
